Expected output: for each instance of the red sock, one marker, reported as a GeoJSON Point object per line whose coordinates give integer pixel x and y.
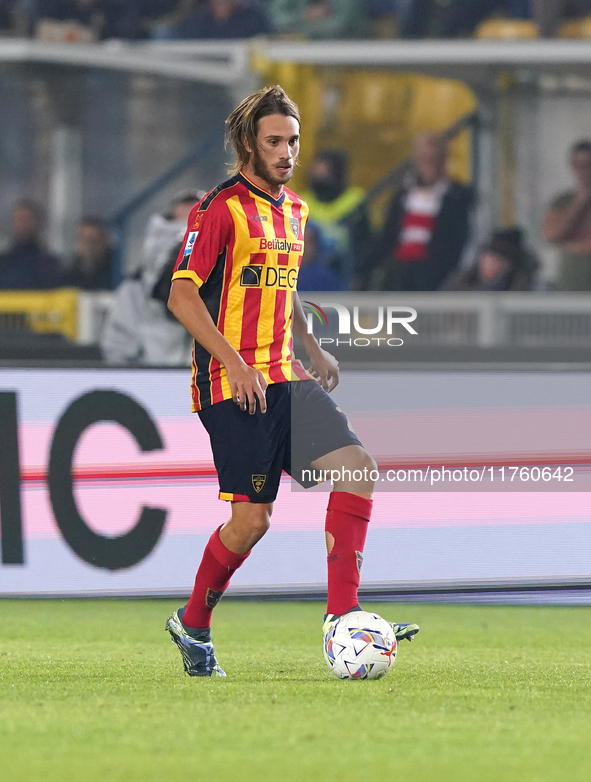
{"type": "Point", "coordinates": [217, 567]}
{"type": "Point", "coordinates": [346, 520]}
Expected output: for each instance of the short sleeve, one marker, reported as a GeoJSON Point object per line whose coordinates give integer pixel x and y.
{"type": "Point", "coordinates": [204, 240]}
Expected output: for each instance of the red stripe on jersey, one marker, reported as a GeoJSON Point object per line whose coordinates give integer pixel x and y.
{"type": "Point", "coordinates": [215, 384]}
{"type": "Point", "coordinates": [298, 370]}
{"type": "Point", "coordinates": [296, 210]}
{"type": "Point", "coordinates": [251, 310]}
{"type": "Point", "coordinates": [279, 228]}
{"type": "Point", "coordinates": [259, 259]}
{"type": "Point", "coordinates": [249, 207]}
{"type": "Point", "coordinates": [214, 365]}
{"type": "Point", "coordinates": [279, 326]}
{"type": "Point", "coordinates": [278, 222]}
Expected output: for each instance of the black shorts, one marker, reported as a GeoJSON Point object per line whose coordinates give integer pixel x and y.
{"type": "Point", "coordinates": [301, 424]}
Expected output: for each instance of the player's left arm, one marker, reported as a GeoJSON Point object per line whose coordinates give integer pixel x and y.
{"type": "Point", "coordinates": [323, 366]}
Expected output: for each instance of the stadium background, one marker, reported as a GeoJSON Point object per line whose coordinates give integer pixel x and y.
{"type": "Point", "coordinates": [117, 128]}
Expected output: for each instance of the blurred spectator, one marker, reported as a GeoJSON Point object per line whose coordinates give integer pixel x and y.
{"type": "Point", "coordinates": [162, 23]}
{"type": "Point", "coordinates": [75, 21]}
{"type": "Point", "coordinates": [567, 224]}
{"type": "Point", "coordinates": [504, 264]}
{"type": "Point", "coordinates": [220, 19]}
{"type": "Point", "coordinates": [427, 224]}
{"type": "Point", "coordinates": [413, 17]}
{"type": "Point", "coordinates": [161, 276]}
{"type": "Point", "coordinates": [549, 14]}
{"type": "Point", "coordinates": [337, 209]}
{"type": "Point", "coordinates": [92, 268]}
{"type": "Point", "coordinates": [320, 18]}
{"type": "Point", "coordinates": [91, 20]}
{"type": "Point", "coordinates": [462, 16]}
{"type": "Point", "coordinates": [410, 18]}
{"type": "Point", "coordinates": [13, 18]}
{"type": "Point", "coordinates": [6, 9]}
{"type": "Point", "coordinates": [315, 274]}
{"type": "Point", "coordinates": [165, 232]}
{"type": "Point", "coordinates": [27, 264]}
{"type": "Point", "coordinates": [139, 329]}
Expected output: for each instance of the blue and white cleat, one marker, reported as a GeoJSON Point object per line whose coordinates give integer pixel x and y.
{"type": "Point", "coordinates": [198, 656]}
{"type": "Point", "coordinates": [405, 631]}
{"type": "Point", "coordinates": [401, 631]}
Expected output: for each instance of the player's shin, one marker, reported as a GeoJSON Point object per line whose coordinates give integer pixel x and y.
{"type": "Point", "coordinates": [347, 518]}
{"type": "Point", "coordinates": [217, 567]}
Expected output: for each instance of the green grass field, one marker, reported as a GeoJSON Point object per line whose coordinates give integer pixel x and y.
{"type": "Point", "coordinates": [94, 690]}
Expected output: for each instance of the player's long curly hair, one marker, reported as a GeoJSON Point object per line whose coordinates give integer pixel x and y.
{"type": "Point", "coordinates": [242, 124]}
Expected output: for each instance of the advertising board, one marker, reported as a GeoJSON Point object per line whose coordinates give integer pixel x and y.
{"type": "Point", "coordinates": [107, 484]}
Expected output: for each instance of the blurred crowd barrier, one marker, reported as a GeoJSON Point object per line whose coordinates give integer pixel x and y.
{"type": "Point", "coordinates": [77, 315]}
{"type": "Point", "coordinates": [528, 320]}
{"type": "Point", "coordinates": [466, 319]}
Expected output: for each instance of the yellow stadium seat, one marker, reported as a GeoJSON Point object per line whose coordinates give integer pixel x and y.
{"type": "Point", "coordinates": [375, 97]}
{"type": "Point", "coordinates": [373, 114]}
{"type": "Point", "coordinates": [507, 29]}
{"type": "Point", "coordinates": [438, 103]}
{"type": "Point", "coordinates": [576, 28]}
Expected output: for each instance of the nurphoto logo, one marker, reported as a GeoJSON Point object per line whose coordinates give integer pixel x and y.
{"type": "Point", "coordinates": [386, 317]}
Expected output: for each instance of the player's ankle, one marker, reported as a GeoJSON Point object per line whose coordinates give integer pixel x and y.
{"type": "Point", "coordinates": [202, 634]}
{"type": "Point", "coordinates": [356, 607]}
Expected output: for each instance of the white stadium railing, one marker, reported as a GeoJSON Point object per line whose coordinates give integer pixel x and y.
{"type": "Point", "coordinates": [479, 319]}
{"type": "Point", "coordinates": [444, 319]}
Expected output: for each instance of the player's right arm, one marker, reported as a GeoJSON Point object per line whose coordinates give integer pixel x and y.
{"type": "Point", "coordinates": [204, 240]}
{"type": "Point", "coordinates": [247, 384]}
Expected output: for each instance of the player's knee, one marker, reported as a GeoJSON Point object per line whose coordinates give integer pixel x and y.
{"type": "Point", "coordinates": [369, 462]}
{"type": "Point", "coordinates": [260, 519]}
{"type": "Point", "coordinates": [365, 462]}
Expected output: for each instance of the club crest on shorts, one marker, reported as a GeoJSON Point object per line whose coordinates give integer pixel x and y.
{"type": "Point", "coordinates": [295, 226]}
{"type": "Point", "coordinates": [258, 481]}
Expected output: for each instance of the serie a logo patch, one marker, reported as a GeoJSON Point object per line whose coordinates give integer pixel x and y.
{"type": "Point", "coordinates": [258, 481]}
{"type": "Point", "coordinates": [190, 242]}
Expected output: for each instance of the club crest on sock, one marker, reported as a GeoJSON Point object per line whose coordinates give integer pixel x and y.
{"type": "Point", "coordinates": [212, 598]}
{"type": "Point", "coordinates": [359, 560]}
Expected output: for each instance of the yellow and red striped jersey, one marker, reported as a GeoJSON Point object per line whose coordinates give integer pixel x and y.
{"type": "Point", "coordinates": [243, 248]}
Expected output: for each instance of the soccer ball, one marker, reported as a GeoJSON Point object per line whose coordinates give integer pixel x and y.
{"type": "Point", "coordinates": [360, 645]}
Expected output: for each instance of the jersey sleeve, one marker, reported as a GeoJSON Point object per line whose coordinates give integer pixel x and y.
{"type": "Point", "coordinates": [205, 239]}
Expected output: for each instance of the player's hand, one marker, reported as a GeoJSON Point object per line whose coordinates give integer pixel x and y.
{"type": "Point", "coordinates": [248, 385]}
{"type": "Point", "coordinates": [325, 368]}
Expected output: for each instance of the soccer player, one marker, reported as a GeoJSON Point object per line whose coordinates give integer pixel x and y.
{"type": "Point", "coordinates": [234, 290]}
